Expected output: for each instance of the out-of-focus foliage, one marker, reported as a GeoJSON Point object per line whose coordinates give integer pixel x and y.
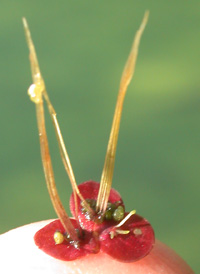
{"type": "Point", "coordinates": [82, 47]}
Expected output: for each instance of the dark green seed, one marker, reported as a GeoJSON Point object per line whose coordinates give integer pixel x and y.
{"type": "Point", "coordinates": [111, 207]}
{"type": "Point", "coordinates": [108, 214]}
{"type": "Point", "coordinates": [92, 204]}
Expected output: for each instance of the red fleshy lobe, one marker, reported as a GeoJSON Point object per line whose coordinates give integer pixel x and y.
{"type": "Point", "coordinates": [128, 243]}
{"type": "Point", "coordinates": [90, 190]}
{"type": "Point", "coordinates": [44, 239]}
{"type": "Point", "coordinates": [128, 247]}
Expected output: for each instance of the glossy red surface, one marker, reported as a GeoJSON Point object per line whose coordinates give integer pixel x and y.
{"type": "Point", "coordinates": [135, 244]}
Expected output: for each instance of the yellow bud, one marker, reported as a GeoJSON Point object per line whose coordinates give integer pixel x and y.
{"type": "Point", "coordinates": [58, 237]}
{"type": "Point", "coordinates": [35, 93]}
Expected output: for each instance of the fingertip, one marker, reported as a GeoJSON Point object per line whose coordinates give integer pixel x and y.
{"type": "Point", "coordinates": [19, 254]}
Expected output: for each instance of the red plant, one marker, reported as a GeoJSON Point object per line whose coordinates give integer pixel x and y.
{"type": "Point", "coordinates": [100, 223]}
{"type": "Point", "coordinates": [128, 240]}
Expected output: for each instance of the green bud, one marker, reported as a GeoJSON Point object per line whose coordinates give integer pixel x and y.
{"type": "Point", "coordinates": [118, 214]}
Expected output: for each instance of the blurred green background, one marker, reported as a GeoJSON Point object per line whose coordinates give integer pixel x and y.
{"type": "Point", "coordinates": [82, 47]}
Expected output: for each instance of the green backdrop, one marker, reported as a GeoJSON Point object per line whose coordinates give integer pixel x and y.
{"type": "Point", "coordinates": [82, 47]}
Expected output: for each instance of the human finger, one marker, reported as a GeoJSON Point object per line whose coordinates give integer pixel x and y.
{"type": "Point", "coordinates": [19, 254]}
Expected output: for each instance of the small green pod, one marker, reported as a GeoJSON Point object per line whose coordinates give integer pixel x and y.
{"type": "Point", "coordinates": [109, 211]}
{"type": "Point", "coordinates": [108, 214]}
{"type": "Point", "coordinates": [118, 214]}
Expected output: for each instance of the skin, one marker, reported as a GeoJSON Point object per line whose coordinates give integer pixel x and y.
{"type": "Point", "coordinates": [19, 254]}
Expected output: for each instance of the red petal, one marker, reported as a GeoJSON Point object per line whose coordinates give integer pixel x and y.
{"type": "Point", "coordinates": [44, 239]}
{"type": "Point", "coordinates": [89, 190]}
{"type": "Point", "coordinates": [132, 246]}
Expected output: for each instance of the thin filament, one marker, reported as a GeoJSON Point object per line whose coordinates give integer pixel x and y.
{"type": "Point", "coordinates": [108, 169]}
{"type": "Point", "coordinates": [65, 158]}
{"type": "Point", "coordinates": [63, 151]}
{"type": "Point", "coordinates": [46, 159]}
{"type": "Point", "coordinates": [131, 213]}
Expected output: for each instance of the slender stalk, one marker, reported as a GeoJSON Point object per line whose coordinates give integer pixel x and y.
{"type": "Point", "coordinates": [36, 91]}
{"type": "Point", "coordinates": [63, 152]}
{"type": "Point", "coordinates": [49, 176]}
{"type": "Point", "coordinates": [108, 169]}
{"type": "Point", "coordinates": [65, 158]}
{"type": "Point", "coordinates": [131, 213]}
